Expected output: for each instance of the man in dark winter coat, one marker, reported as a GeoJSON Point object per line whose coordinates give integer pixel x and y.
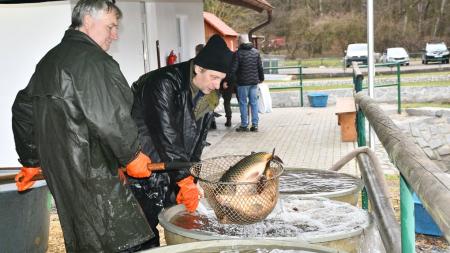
{"type": "Point", "coordinates": [73, 121]}
{"type": "Point", "coordinates": [173, 107]}
{"type": "Point", "coordinates": [247, 72]}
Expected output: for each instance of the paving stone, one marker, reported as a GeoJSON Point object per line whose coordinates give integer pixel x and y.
{"type": "Point", "coordinates": [434, 130]}
{"type": "Point", "coordinates": [444, 150]}
{"type": "Point", "coordinates": [445, 129]}
{"type": "Point", "coordinates": [435, 143]}
{"type": "Point", "coordinates": [429, 152]}
{"type": "Point", "coordinates": [426, 134]}
{"type": "Point", "coordinates": [414, 130]}
{"type": "Point", "coordinates": [421, 142]}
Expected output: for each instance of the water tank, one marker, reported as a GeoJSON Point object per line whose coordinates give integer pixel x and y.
{"type": "Point", "coordinates": [24, 217]}
{"type": "Point", "coordinates": [236, 246]}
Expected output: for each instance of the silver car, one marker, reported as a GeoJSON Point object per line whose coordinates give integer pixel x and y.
{"type": "Point", "coordinates": [435, 52]}
{"type": "Point", "coordinates": [396, 55]}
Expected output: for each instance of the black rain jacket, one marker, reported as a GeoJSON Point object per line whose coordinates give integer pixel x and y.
{"type": "Point", "coordinates": [73, 120]}
{"type": "Point", "coordinates": [163, 112]}
{"type": "Point", "coordinates": [246, 68]}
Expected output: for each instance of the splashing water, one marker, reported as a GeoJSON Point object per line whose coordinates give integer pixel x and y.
{"type": "Point", "coordinates": [293, 217]}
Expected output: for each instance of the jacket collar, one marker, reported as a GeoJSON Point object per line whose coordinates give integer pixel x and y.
{"type": "Point", "coordinates": [75, 35]}
{"type": "Point", "coordinates": [246, 46]}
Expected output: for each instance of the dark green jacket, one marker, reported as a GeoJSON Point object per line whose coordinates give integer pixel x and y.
{"type": "Point", "coordinates": [73, 119]}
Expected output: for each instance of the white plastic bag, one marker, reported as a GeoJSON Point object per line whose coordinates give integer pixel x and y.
{"type": "Point", "coordinates": [264, 101]}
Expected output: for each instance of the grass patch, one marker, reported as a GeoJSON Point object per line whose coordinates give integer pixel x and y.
{"type": "Point", "coordinates": [350, 86]}
{"type": "Point", "coordinates": [391, 177]}
{"type": "Point", "coordinates": [314, 62]}
{"type": "Point", "coordinates": [427, 84]}
{"type": "Point", "coordinates": [418, 105]}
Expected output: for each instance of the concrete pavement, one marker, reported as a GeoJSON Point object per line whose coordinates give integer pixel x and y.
{"type": "Point", "coordinates": [304, 137]}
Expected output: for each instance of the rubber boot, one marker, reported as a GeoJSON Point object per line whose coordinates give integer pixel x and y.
{"type": "Point", "coordinates": [213, 124]}
{"type": "Point", "coordinates": [228, 123]}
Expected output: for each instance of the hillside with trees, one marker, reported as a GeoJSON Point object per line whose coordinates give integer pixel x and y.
{"type": "Point", "coordinates": [314, 28]}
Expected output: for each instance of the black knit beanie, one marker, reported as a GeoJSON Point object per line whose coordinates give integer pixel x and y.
{"type": "Point", "coordinates": [215, 55]}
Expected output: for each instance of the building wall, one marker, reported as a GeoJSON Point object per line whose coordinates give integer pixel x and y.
{"type": "Point", "coordinates": [162, 18]}
{"type": "Point", "coordinates": [230, 40]}
{"type": "Point", "coordinates": [28, 32]}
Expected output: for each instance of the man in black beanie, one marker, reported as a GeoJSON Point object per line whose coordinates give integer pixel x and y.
{"type": "Point", "coordinates": [173, 107]}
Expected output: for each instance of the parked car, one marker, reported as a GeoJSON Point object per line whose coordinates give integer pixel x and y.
{"type": "Point", "coordinates": [396, 55]}
{"type": "Point", "coordinates": [355, 53]}
{"type": "Point", "coordinates": [435, 52]}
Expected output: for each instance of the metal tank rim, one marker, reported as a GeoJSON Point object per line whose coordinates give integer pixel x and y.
{"type": "Point", "coordinates": [185, 247]}
{"type": "Point", "coordinates": [12, 186]}
{"type": "Point", "coordinates": [165, 216]}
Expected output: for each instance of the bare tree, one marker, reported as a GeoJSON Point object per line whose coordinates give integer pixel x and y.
{"type": "Point", "coordinates": [438, 18]}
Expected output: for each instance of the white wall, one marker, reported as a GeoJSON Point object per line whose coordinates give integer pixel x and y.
{"type": "Point", "coordinates": [27, 31]}
{"type": "Point", "coordinates": [128, 49]}
{"type": "Point", "coordinates": [30, 30]}
{"type": "Point", "coordinates": [161, 20]}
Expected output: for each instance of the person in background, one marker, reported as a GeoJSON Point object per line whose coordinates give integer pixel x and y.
{"type": "Point", "coordinates": [73, 124]}
{"type": "Point", "coordinates": [247, 71]}
{"type": "Point", "coordinates": [227, 88]}
{"type": "Point", "coordinates": [173, 108]}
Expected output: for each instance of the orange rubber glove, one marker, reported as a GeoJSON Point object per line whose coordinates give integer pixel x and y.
{"type": "Point", "coordinates": [138, 167]}
{"type": "Point", "coordinates": [188, 194]}
{"type": "Point", "coordinates": [24, 179]}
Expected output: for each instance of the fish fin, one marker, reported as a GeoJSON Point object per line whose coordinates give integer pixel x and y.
{"type": "Point", "coordinates": [276, 158]}
{"type": "Point", "coordinates": [261, 184]}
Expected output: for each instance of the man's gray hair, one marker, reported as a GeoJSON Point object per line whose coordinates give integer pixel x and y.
{"type": "Point", "coordinates": [92, 8]}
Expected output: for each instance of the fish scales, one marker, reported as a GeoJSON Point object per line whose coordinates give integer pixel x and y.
{"type": "Point", "coordinates": [250, 168]}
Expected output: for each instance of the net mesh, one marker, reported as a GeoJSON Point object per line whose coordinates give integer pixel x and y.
{"type": "Point", "coordinates": [237, 203]}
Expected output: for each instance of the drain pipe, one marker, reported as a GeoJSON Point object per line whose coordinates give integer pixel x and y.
{"type": "Point", "coordinates": [269, 19]}
{"type": "Point", "coordinates": [376, 186]}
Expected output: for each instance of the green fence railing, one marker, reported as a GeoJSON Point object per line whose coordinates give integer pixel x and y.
{"type": "Point", "coordinates": [397, 83]}
{"type": "Point", "coordinates": [300, 80]}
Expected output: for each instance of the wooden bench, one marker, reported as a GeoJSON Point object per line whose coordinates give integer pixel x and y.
{"type": "Point", "coordinates": [346, 112]}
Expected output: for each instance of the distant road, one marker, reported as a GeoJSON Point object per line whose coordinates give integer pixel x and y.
{"type": "Point", "coordinates": [415, 66]}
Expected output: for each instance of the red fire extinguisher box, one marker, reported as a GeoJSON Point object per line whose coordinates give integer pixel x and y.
{"type": "Point", "coordinates": [172, 58]}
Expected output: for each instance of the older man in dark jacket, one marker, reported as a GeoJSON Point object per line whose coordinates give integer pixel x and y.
{"type": "Point", "coordinates": [247, 72]}
{"type": "Point", "coordinates": [173, 107]}
{"type": "Point", "coordinates": [73, 120]}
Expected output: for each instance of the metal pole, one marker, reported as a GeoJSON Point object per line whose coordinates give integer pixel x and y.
{"type": "Point", "coordinates": [360, 127]}
{"type": "Point", "coordinates": [301, 84]}
{"type": "Point", "coordinates": [407, 217]}
{"type": "Point", "coordinates": [399, 99]}
{"type": "Point", "coordinates": [370, 63]}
